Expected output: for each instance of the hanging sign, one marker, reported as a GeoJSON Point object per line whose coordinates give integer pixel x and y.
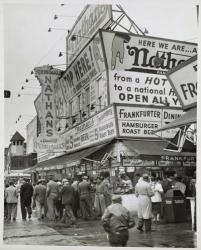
{"type": "Point", "coordinates": [183, 79]}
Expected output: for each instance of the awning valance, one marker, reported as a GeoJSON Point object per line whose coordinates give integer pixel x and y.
{"type": "Point", "coordinates": [154, 149]}
{"type": "Point", "coordinates": [186, 119]}
{"type": "Point", "coordinates": [67, 159]}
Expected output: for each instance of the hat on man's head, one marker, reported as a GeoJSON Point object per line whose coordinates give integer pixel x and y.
{"type": "Point", "coordinates": [145, 176]}
{"type": "Point", "coordinates": [116, 198]}
{"type": "Point", "coordinates": [64, 180]}
{"type": "Point", "coordinates": [84, 177]}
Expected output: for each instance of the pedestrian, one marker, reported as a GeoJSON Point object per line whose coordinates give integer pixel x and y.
{"type": "Point", "coordinates": [156, 199]}
{"type": "Point", "coordinates": [107, 189]}
{"type": "Point", "coordinates": [99, 202]}
{"type": "Point", "coordinates": [116, 222]}
{"type": "Point", "coordinates": [11, 197]}
{"type": "Point", "coordinates": [144, 193]}
{"type": "Point", "coordinates": [180, 185]}
{"type": "Point", "coordinates": [59, 205]}
{"type": "Point", "coordinates": [5, 203]}
{"type": "Point", "coordinates": [39, 197]}
{"type": "Point", "coordinates": [84, 193]}
{"type": "Point", "coordinates": [76, 204]}
{"type": "Point", "coordinates": [26, 193]}
{"type": "Point", "coordinates": [67, 199]}
{"type": "Point", "coordinates": [52, 195]}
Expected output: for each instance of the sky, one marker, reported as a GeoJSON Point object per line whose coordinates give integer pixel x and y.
{"type": "Point", "coordinates": [27, 42]}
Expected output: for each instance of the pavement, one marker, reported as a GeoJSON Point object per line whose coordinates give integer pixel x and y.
{"type": "Point", "coordinates": [91, 233]}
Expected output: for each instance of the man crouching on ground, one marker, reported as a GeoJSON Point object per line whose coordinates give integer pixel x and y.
{"type": "Point", "coordinates": [116, 222]}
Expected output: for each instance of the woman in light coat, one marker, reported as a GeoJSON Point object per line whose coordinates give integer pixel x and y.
{"type": "Point", "coordinates": [144, 193]}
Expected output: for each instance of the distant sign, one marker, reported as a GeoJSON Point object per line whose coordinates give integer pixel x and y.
{"type": "Point", "coordinates": [183, 79]}
{"type": "Point", "coordinates": [139, 88]}
{"type": "Point", "coordinates": [137, 53]}
{"type": "Point", "coordinates": [92, 18]}
{"type": "Point", "coordinates": [142, 122]}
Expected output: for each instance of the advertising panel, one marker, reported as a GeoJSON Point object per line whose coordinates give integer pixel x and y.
{"type": "Point", "coordinates": [98, 128]}
{"type": "Point", "coordinates": [139, 88]}
{"type": "Point", "coordinates": [129, 52]}
{"type": "Point", "coordinates": [84, 69]}
{"type": "Point", "coordinates": [92, 18]}
{"type": "Point", "coordinates": [48, 140]}
{"type": "Point", "coordinates": [142, 121]}
{"type": "Point", "coordinates": [39, 111]}
{"type": "Point", "coordinates": [183, 79]}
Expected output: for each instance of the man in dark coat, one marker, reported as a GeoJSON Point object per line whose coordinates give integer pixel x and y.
{"type": "Point", "coordinates": [67, 199]}
{"type": "Point", "coordinates": [84, 188]}
{"type": "Point", "coordinates": [26, 193]}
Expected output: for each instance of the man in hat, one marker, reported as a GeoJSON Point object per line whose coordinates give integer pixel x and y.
{"type": "Point", "coordinates": [39, 197]}
{"type": "Point", "coordinates": [52, 194]}
{"type": "Point", "coordinates": [67, 199]}
{"type": "Point", "coordinates": [26, 193]}
{"type": "Point", "coordinates": [84, 188]}
{"type": "Point", "coordinates": [144, 193]}
{"type": "Point", "coordinates": [116, 222]}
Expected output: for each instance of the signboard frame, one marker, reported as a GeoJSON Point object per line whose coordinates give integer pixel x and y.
{"type": "Point", "coordinates": [175, 69]}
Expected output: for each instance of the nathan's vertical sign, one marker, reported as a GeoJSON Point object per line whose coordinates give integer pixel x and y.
{"type": "Point", "coordinates": [183, 79]}
{"type": "Point", "coordinates": [47, 78]}
{"type": "Point", "coordinates": [48, 140]}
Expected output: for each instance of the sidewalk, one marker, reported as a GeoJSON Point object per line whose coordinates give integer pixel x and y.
{"type": "Point", "coordinates": [91, 233]}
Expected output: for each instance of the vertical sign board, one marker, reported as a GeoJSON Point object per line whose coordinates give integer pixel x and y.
{"type": "Point", "coordinates": [129, 52]}
{"type": "Point", "coordinates": [31, 131]}
{"type": "Point", "coordinates": [38, 107]}
{"type": "Point", "coordinates": [183, 79]}
{"type": "Point", "coordinates": [48, 139]}
{"type": "Point", "coordinates": [143, 121]}
{"type": "Point", "coordinates": [92, 18]}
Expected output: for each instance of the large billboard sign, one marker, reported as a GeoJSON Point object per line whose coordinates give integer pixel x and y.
{"type": "Point", "coordinates": [183, 79]}
{"type": "Point", "coordinates": [137, 53]}
{"type": "Point", "coordinates": [84, 68]}
{"type": "Point", "coordinates": [143, 121]}
{"type": "Point", "coordinates": [139, 88]}
{"type": "Point", "coordinates": [92, 18]}
{"type": "Point", "coordinates": [98, 128]}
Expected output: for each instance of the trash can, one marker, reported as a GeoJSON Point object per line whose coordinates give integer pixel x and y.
{"type": "Point", "coordinates": [175, 206]}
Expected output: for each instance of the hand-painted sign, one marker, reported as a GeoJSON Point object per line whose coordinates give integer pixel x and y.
{"type": "Point", "coordinates": [92, 18]}
{"type": "Point", "coordinates": [153, 55]}
{"type": "Point", "coordinates": [142, 122]}
{"type": "Point", "coordinates": [98, 128]}
{"type": "Point", "coordinates": [183, 79]}
{"type": "Point", "coordinates": [84, 68]}
{"type": "Point", "coordinates": [139, 88]}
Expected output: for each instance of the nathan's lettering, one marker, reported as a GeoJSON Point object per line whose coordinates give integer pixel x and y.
{"type": "Point", "coordinates": [169, 61]}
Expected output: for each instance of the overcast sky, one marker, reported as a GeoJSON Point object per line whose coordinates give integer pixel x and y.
{"type": "Point", "coordinates": [27, 42]}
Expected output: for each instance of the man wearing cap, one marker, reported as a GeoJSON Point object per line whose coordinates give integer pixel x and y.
{"type": "Point", "coordinates": [144, 193]}
{"type": "Point", "coordinates": [39, 197]}
{"type": "Point", "coordinates": [116, 222]}
{"type": "Point", "coordinates": [26, 193]}
{"type": "Point", "coordinates": [67, 199]}
{"type": "Point", "coordinates": [84, 192]}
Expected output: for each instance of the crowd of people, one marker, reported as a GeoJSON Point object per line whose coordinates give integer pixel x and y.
{"type": "Point", "coordinates": [70, 199]}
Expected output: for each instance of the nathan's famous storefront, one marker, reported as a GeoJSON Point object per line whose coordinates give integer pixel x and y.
{"type": "Point", "coordinates": [111, 150]}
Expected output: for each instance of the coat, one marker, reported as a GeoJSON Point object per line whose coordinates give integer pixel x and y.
{"type": "Point", "coordinates": [67, 195]}
{"type": "Point", "coordinates": [26, 191]}
{"type": "Point", "coordinates": [144, 193]}
{"type": "Point", "coordinates": [40, 193]}
{"type": "Point", "coordinates": [11, 194]}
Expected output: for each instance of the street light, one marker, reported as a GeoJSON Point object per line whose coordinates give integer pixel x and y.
{"type": "Point", "coordinates": [74, 37]}
{"type": "Point", "coordinates": [61, 54]}
{"type": "Point", "coordinates": [29, 87]}
{"type": "Point", "coordinates": [56, 16]}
